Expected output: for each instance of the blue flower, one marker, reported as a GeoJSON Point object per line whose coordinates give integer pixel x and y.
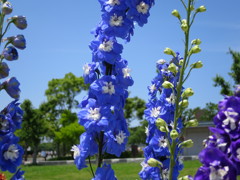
{"type": "Point", "coordinates": [6, 124]}
{"type": "Point", "coordinates": [87, 148]}
{"type": "Point", "coordinates": [105, 173]}
{"type": "Point", "coordinates": [106, 48]}
{"type": "Point", "coordinates": [18, 41]}
{"type": "Point", "coordinates": [18, 175]}
{"type": "Point", "coordinates": [107, 90]}
{"type": "Point", "coordinates": [10, 154]}
{"type": "Point", "coordinates": [12, 87]}
{"type": "Point", "coordinates": [10, 53]}
{"type": "Point", "coordinates": [15, 112]}
{"type": "Point", "coordinates": [90, 72]}
{"type": "Point", "coordinates": [95, 118]}
{"type": "Point", "coordinates": [113, 5]}
{"type": "Point", "coordinates": [4, 70]}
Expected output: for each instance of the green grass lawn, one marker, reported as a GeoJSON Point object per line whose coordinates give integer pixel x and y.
{"type": "Point", "coordinates": [123, 171]}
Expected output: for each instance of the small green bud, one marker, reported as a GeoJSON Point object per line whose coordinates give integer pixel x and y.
{"type": "Point", "coordinates": [173, 68]}
{"type": "Point", "coordinates": [187, 93]}
{"type": "Point", "coordinates": [167, 85]}
{"type": "Point", "coordinates": [181, 62]}
{"type": "Point", "coordinates": [197, 65]}
{"type": "Point", "coordinates": [176, 13]}
{"type": "Point", "coordinates": [184, 27]}
{"type": "Point", "coordinates": [164, 129]}
{"type": "Point", "coordinates": [192, 123]}
{"type": "Point", "coordinates": [184, 21]}
{"type": "Point", "coordinates": [195, 49]}
{"type": "Point", "coordinates": [184, 103]}
{"type": "Point", "coordinates": [160, 122]}
{"type": "Point", "coordinates": [191, 7]}
{"type": "Point", "coordinates": [169, 51]}
{"type": "Point", "coordinates": [196, 42]}
{"type": "Point", "coordinates": [174, 134]}
{"type": "Point", "coordinates": [187, 144]}
{"type": "Point", "coordinates": [153, 162]}
{"type": "Point", "coordinates": [201, 9]}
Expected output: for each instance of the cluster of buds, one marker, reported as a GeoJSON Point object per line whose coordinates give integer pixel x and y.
{"type": "Point", "coordinates": [11, 116]}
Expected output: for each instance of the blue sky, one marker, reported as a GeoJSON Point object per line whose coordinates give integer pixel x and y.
{"type": "Point", "coordinates": [58, 35]}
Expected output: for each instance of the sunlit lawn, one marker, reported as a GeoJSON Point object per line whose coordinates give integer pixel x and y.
{"type": "Point", "coordinates": [123, 171]}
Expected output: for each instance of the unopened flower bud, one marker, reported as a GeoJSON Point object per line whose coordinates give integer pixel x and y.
{"type": "Point", "coordinates": [12, 87]}
{"type": "Point", "coordinates": [184, 103]}
{"type": "Point", "coordinates": [4, 70]}
{"type": "Point", "coordinates": [201, 9]}
{"type": "Point", "coordinates": [161, 61]}
{"type": "Point", "coordinates": [19, 21]}
{"type": "Point", "coordinates": [160, 122]}
{"type": "Point", "coordinates": [164, 129]}
{"type": "Point", "coordinates": [176, 13]}
{"type": "Point", "coordinates": [195, 49]}
{"type": "Point", "coordinates": [187, 144]}
{"type": "Point", "coordinates": [192, 123]}
{"type": "Point", "coordinates": [196, 42]}
{"type": "Point", "coordinates": [187, 93]}
{"type": "Point", "coordinates": [169, 51]}
{"type": "Point", "coordinates": [173, 68]}
{"type": "Point", "coordinates": [167, 85]}
{"type": "Point", "coordinates": [18, 41]}
{"type": "Point", "coordinates": [192, 8]}
{"type": "Point", "coordinates": [154, 163]}
{"type": "Point", "coordinates": [174, 134]}
{"type": "Point", "coordinates": [7, 8]}
{"type": "Point", "coordinates": [197, 65]}
{"type": "Point", "coordinates": [181, 62]}
{"type": "Point", "coordinates": [10, 53]}
{"type": "Point", "coordinates": [184, 27]}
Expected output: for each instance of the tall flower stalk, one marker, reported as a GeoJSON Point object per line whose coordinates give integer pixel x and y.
{"type": "Point", "coordinates": [109, 77]}
{"type": "Point", "coordinates": [11, 116]}
{"type": "Point", "coordinates": [168, 99]}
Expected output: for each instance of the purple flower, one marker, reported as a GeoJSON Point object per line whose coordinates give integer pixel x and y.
{"type": "Point", "coordinates": [4, 70]}
{"type": "Point", "coordinates": [12, 87]}
{"type": "Point", "coordinates": [10, 53]}
{"type": "Point", "coordinates": [10, 154]}
{"type": "Point", "coordinates": [216, 165]}
{"type": "Point", "coordinates": [19, 21]}
{"type": "Point", "coordinates": [235, 150]}
{"type": "Point", "coordinates": [105, 173]}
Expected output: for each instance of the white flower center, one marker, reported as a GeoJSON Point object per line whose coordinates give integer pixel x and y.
{"type": "Point", "coordinates": [12, 153]}
{"type": "Point", "coordinates": [108, 88]}
{"type": "Point", "coordinates": [230, 120]}
{"type": "Point", "coordinates": [116, 20]}
{"type": "Point", "coordinates": [161, 61]}
{"type": "Point", "coordinates": [147, 131]}
{"type": "Point", "coordinates": [76, 151]}
{"type": "Point", "coordinates": [113, 2]}
{"type": "Point", "coordinates": [86, 69]}
{"type": "Point", "coordinates": [218, 174]}
{"type": "Point", "coordinates": [238, 153]}
{"type": "Point", "coordinates": [94, 114]}
{"type": "Point", "coordinates": [165, 173]}
{"type": "Point", "coordinates": [4, 124]}
{"type": "Point", "coordinates": [120, 137]}
{"type": "Point", "coordinates": [126, 72]}
{"type": "Point", "coordinates": [171, 99]}
{"type": "Point", "coordinates": [155, 112]}
{"type": "Point", "coordinates": [143, 8]}
{"type": "Point", "coordinates": [162, 142]}
{"type": "Point", "coordinates": [106, 46]}
{"type": "Point", "coordinates": [152, 88]}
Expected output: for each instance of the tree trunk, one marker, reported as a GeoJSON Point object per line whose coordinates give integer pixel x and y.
{"type": "Point", "coordinates": [35, 153]}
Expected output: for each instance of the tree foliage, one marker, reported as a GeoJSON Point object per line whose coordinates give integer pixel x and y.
{"type": "Point", "coordinates": [219, 81]}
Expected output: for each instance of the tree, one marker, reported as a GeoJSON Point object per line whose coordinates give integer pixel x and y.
{"type": "Point", "coordinates": [33, 128]}
{"type": "Point", "coordinates": [226, 87]}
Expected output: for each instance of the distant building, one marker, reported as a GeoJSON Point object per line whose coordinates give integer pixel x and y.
{"type": "Point", "coordinates": [197, 134]}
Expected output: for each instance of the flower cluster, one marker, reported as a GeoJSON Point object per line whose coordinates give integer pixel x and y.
{"type": "Point", "coordinates": [109, 77]}
{"type": "Point", "coordinates": [11, 116]}
{"type": "Point", "coordinates": [160, 116]}
{"type": "Point", "coordinates": [221, 156]}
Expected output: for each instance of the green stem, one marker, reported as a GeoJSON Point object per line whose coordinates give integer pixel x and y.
{"type": "Point", "coordinates": [179, 88]}
{"type": "Point", "coordinates": [100, 148]}
{"type": "Point", "coordinates": [91, 166]}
